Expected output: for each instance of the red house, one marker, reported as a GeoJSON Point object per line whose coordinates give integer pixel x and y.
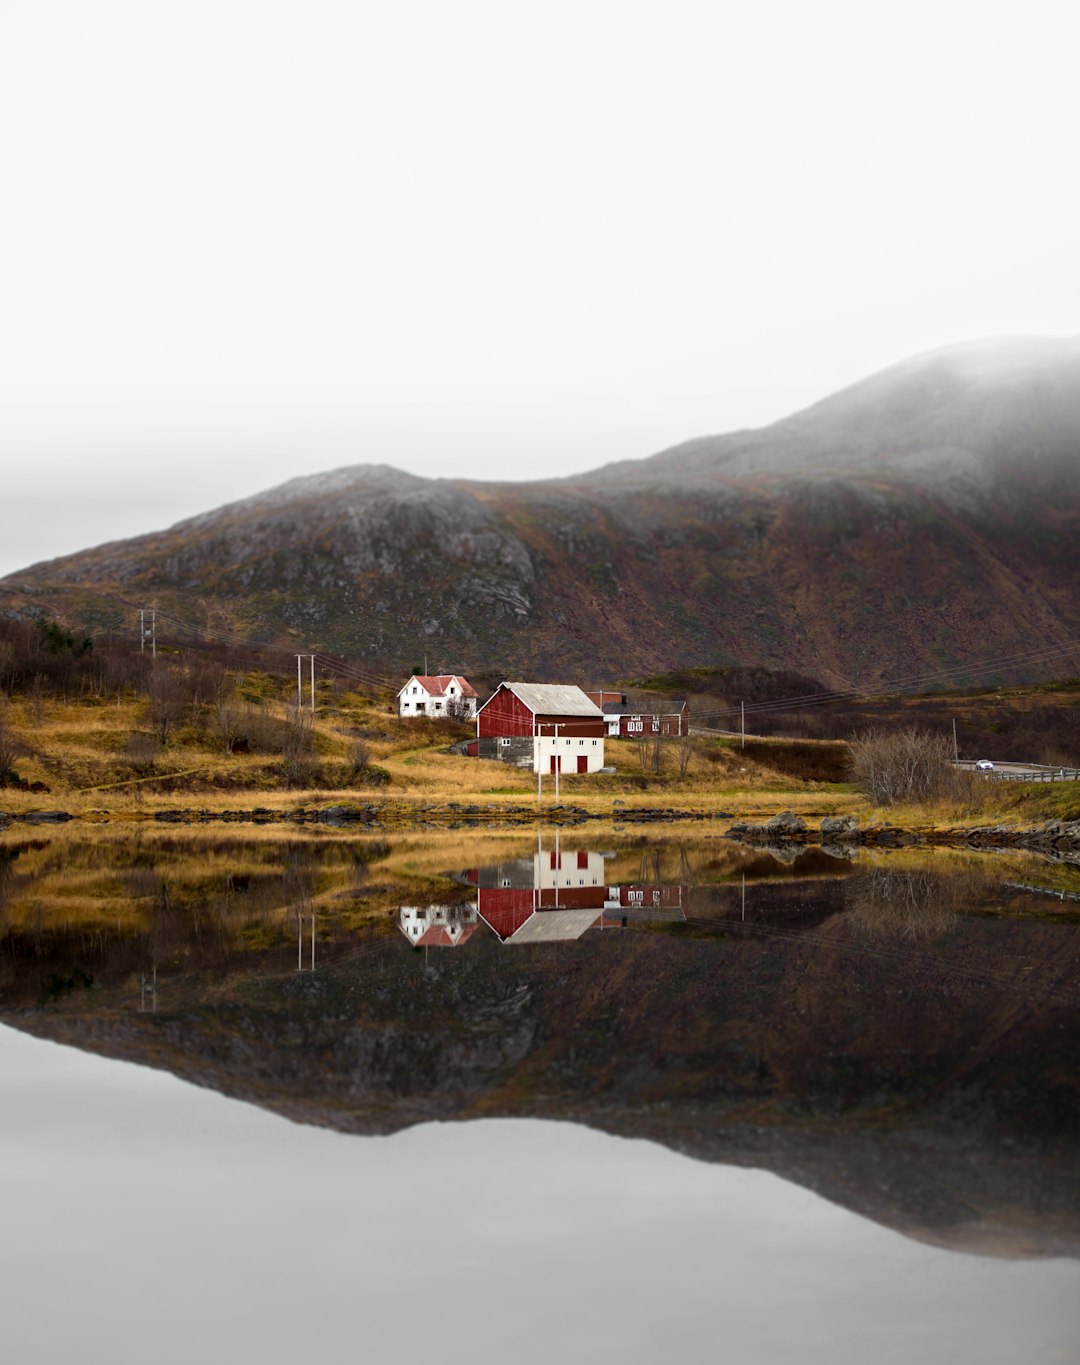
{"type": "Point", "coordinates": [671, 718]}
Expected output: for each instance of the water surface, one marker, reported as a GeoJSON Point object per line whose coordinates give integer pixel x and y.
{"type": "Point", "coordinates": [700, 1080]}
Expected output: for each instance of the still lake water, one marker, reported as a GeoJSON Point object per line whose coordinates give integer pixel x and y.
{"type": "Point", "coordinates": [720, 1103]}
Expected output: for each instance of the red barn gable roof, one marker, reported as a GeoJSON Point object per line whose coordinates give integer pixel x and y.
{"type": "Point", "coordinates": [551, 699]}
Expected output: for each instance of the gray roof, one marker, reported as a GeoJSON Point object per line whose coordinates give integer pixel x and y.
{"type": "Point", "coordinates": [668, 708]}
{"type": "Point", "coordinates": [550, 926]}
{"type": "Point", "coordinates": [554, 699]}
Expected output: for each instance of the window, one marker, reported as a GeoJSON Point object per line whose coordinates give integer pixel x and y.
{"type": "Point", "coordinates": [505, 743]}
{"type": "Point", "coordinates": [594, 743]}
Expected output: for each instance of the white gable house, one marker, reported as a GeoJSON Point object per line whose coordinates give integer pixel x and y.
{"type": "Point", "coordinates": [442, 694]}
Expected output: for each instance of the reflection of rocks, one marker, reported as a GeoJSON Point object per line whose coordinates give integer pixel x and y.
{"type": "Point", "coordinates": [783, 853]}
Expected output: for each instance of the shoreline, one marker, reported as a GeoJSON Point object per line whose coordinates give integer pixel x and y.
{"type": "Point", "coordinates": [787, 831]}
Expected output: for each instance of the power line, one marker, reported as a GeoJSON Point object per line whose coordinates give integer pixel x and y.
{"type": "Point", "coordinates": [914, 683]}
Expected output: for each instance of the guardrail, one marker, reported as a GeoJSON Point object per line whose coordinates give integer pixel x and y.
{"type": "Point", "coordinates": [1043, 775]}
{"type": "Point", "coordinates": [1031, 772]}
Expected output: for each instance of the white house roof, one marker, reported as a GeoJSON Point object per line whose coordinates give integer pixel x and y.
{"type": "Point", "coordinates": [436, 684]}
{"type": "Point", "coordinates": [553, 699]}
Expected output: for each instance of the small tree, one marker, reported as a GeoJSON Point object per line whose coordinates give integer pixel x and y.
{"type": "Point", "coordinates": [894, 766]}
{"type": "Point", "coordinates": [168, 697]}
{"type": "Point", "coordinates": [458, 709]}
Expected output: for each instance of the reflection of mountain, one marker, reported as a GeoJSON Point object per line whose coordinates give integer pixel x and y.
{"type": "Point", "coordinates": [930, 1082]}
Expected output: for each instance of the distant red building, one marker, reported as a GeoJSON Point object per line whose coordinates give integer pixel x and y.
{"type": "Point", "coordinates": [624, 721]}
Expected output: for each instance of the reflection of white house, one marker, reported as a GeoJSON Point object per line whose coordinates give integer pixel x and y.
{"type": "Point", "coordinates": [437, 926]}
{"type": "Point", "coordinates": [437, 694]}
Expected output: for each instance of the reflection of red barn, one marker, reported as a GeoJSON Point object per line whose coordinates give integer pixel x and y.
{"type": "Point", "coordinates": [565, 891]}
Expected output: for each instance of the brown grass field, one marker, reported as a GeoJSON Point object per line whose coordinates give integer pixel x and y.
{"type": "Point", "coordinates": [81, 751]}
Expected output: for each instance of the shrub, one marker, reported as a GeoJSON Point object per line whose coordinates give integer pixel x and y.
{"type": "Point", "coordinates": [910, 765]}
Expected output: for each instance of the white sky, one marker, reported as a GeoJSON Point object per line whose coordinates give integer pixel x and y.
{"type": "Point", "coordinates": [246, 239]}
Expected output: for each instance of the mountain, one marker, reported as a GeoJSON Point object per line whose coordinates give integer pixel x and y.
{"type": "Point", "coordinates": [926, 516]}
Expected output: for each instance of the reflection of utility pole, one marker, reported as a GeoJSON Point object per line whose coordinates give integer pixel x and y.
{"type": "Point", "coordinates": [744, 896]}
{"type": "Point", "coordinates": [148, 993]}
{"type": "Point", "coordinates": [300, 939]}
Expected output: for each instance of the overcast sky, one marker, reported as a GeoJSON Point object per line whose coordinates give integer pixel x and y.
{"type": "Point", "coordinates": [245, 239]}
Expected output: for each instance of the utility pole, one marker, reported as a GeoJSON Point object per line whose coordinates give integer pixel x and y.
{"type": "Point", "coordinates": [558, 765]}
{"type": "Point", "coordinates": [742, 723]}
{"type": "Point", "coordinates": [300, 683]}
{"type": "Point", "coordinates": [539, 765]}
{"type": "Point", "coordinates": [955, 746]}
{"type": "Point", "coordinates": [148, 632]}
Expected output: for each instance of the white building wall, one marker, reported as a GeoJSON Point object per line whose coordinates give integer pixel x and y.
{"type": "Point", "coordinates": [410, 695]}
{"type": "Point", "coordinates": [567, 871]}
{"type": "Point", "coordinates": [568, 748]}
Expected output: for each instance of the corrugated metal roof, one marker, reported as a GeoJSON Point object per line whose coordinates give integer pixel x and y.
{"type": "Point", "coordinates": [670, 708]}
{"type": "Point", "coordinates": [554, 699]}
{"type": "Point", "coordinates": [550, 926]}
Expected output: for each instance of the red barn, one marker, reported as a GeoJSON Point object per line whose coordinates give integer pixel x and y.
{"type": "Point", "coordinates": [548, 725]}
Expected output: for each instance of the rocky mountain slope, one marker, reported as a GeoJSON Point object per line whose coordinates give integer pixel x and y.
{"type": "Point", "coordinates": [926, 516]}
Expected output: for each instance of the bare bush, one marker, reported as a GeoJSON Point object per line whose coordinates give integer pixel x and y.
{"type": "Point", "coordinates": [359, 754]}
{"type": "Point", "coordinates": [910, 765]}
{"type": "Point", "coordinates": [141, 749]}
{"type": "Point", "coordinates": [459, 709]}
{"type": "Point", "coordinates": [9, 752]}
{"type": "Point", "coordinates": [684, 748]}
{"type": "Point", "coordinates": [902, 904]}
{"type": "Point", "coordinates": [168, 696]}
{"type": "Point", "coordinates": [297, 748]}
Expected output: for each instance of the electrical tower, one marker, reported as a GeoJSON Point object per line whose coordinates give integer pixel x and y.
{"type": "Point", "coordinates": [148, 631]}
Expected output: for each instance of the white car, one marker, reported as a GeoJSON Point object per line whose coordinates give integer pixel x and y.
{"type": "Point", "coordinates": [984, 765]}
